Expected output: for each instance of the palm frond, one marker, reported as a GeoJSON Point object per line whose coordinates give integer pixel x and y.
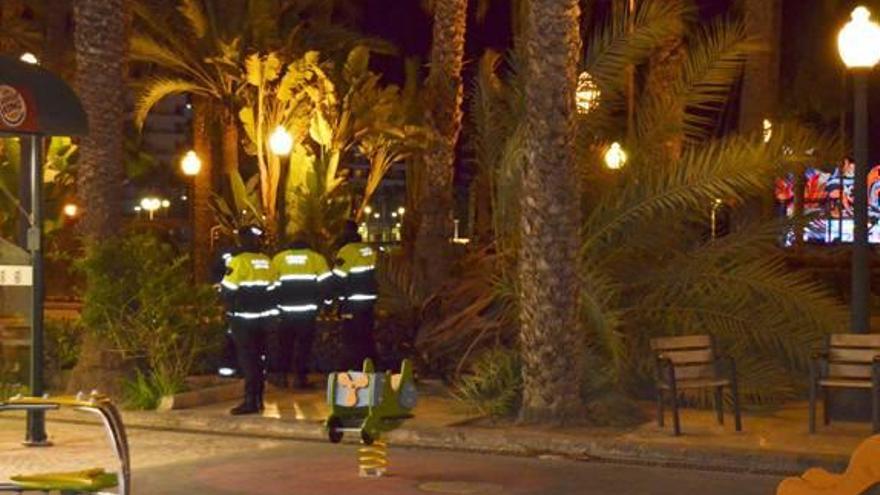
{"type": "Point", "coordinates": [158, 88]}
{"type": "Point", "coordinates": [195, 15]}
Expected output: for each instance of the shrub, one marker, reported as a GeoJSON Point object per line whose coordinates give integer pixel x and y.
{"type": "Point", "coordinates": [494, 387]}
{"type": "Point", "coordinates": [145, 390]}
{"type": "Point", "coordinates": [63, 342]}
{"type": "Point", "coordinates": [144, 305]}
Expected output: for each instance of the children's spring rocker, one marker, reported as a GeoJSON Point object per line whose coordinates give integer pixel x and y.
{"type": "Point", "coordinates": [370, 404]}
{"type": "Point", "coordinates": [94, 480]}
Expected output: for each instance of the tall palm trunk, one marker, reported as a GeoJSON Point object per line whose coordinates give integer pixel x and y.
{"type": "Point", "coordinates": [760, 89]}
{"type": "Point", "coordinates": [444, 90]}
{"type": "Point", "coordinates": [667, 139]}
{"type": "Point", "coordinates": [101, 45]}
{"type": "Point", "coordinates": [100, 39]}
{"type": "Point", "coordinates": [229, 150]}
{"type": "Point", "coordinates": [550, 335]}
{"type": "Point", "coordinates": [56, 43]}
{"type": "Point", "coordinates": [203, 217]}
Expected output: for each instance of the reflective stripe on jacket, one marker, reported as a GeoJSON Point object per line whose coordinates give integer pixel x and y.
{"type": "Point", "coordinates": [302, 278]}
{"type": "Point", "coordinates": [355, 272]}
{"type": "Point", "coordinates": [247, 286]}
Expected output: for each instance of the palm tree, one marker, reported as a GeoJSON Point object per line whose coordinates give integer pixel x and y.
{"type": "Point", "coordinates": [444, 92]}
{"type": "Point", "coordinates": [550, 337]}
{"type": "Point", "coordinates": [760, 89]}
{"type": "Point", "coordinates": [203, 186]}
{"type": "Point", "coordinates": [101, 46]}
{"type": "Point", "coordinates": [101, 49]}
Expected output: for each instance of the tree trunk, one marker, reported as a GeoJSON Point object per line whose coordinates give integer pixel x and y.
{"type": "Point", "coordinates": [444, 91]}
{"type": "Point", "coordinates": [100, 40]}
{"type": "Point", "coordinates": [56, 45]}
{"type": "Point", "coordinates": [229, 150]}
{"type": "Point", "coordinates": [101, 43]}
{"type": "Point", "coordinates": [550, 337]}
{"type": "Point", "coordinates": [203, 217]}
{"type": "Point", "coordinates": [760, 88]}
{"type": "Point", "coordinates": [666, 142]}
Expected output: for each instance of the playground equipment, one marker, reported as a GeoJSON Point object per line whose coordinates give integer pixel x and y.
{"type": "Point", "coordinates": [94, 480]}
{"type": "Point", "coordinates": [862, 474]}
{"type": "Point", "coordinates": [370, 404]}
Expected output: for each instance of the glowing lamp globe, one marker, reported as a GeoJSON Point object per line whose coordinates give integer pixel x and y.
{"type": "Point", "coordinates": [70, 210]}
{"type": "Point", "coordinates": [859, 41]}
{"type": "Point", "coordinates": [587, 93]}
{"type": "Point", "coordinates": [191, 164]}
{"type": "Point", "coordinates": [29, 58]}
{"type": "Point", "coordinates": [615, 157]}
{"type": "Point", "coordinates": [280, 141]}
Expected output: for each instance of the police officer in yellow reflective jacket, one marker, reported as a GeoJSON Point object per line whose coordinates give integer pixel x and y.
{"type": "Point", "coordinates": [246, 289]}
{"type": "Point", "coordinates": [301, 288]}
{"type": "Point", "coordinates": [355, 276]}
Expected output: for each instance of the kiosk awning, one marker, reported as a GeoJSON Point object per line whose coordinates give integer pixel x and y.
{"type": "Point", "coordinates": [36, 101]}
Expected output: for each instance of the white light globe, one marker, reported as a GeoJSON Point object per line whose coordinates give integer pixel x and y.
{"type": "Point", "coordinates": [191, 164]}
{"type": "Point", "coordinates": [29, 58]}
{"type": "Point", "coordinates": [280, 142]}
{"type": "Point", "coordinates": [70, 210]}
{"type": "Point", "coordinates": [859, 41]}
{"type": "Point", "coordinates": [588, 93]}
{"type": "Point", "coordinates": [615, 157]}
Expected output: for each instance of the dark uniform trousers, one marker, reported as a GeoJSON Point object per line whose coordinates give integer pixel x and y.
{"type": "Point", "coordinates": [249, 336]}
{"type": "Point", "coordinates": [357, 336]}
{"type": "Point", "coordinates": [296, 333]}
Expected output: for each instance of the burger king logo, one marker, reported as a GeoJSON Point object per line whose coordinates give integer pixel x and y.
{"type": "Point", "coordinates": [13, 109]}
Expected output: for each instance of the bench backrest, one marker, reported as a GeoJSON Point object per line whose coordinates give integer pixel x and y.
{"type": "Point", "coordinates": [693, 355]}
{"type": "Point", "coordinates": [852, 355]}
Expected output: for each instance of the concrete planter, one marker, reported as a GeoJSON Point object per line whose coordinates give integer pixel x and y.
{"type": "Point", "coordinates": [204, 391]}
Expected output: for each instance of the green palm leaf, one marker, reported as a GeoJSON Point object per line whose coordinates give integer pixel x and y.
{"type": "Point", "coordinates": [158, 88]}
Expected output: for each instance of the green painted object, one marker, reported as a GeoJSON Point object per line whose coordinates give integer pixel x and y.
{"type": "Point", "coordinates": [369, 402]}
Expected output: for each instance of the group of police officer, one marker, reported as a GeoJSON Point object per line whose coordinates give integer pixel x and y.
{"type": "Point", "coordinates": [273, 304]}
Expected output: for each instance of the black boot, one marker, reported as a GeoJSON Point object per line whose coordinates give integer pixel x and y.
{"type": "Point", "coordinates": [248, 406]}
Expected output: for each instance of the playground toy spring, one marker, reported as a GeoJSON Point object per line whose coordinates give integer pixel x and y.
{"type": "Point", "coordinates": [373, 460]}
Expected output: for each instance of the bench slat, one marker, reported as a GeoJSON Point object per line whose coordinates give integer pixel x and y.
{"type": "Point", "coordinates": [855, 340]}
{"type": "Point", "coordinates": [850, 355]}
{"type": "Point", "coordinates": [694, 372]}
{"type": "Point", "coordinates": [849, 371]}
{"type": "Point", "coordinates": [687, 342]}
{"type": "Point", "coordinates": [689, 357]}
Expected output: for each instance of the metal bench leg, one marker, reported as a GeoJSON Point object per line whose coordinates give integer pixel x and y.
{"type": "Point", "coordinates": [875, 397]}
{"type": "Point", "coordinates": [826, 406]}
{"type": "Point", "coordinates": [737, 416]}
{"type": "Point", "coordinates": [719, 405]}
{"type": "Point", "coordinates": [660, 408]}
{"type": "Point", "coordinates": [812, 407]}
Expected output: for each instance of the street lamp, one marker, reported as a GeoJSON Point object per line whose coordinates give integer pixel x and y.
{"type": "Point", "coordinates": [615, 157]}
{"type": "Point", "coordinates": [29, 58]}
{"type": "Point", "coordinates": [70, 210]}
{"type": "Point", "coordinates": [859, 46]}
{"type": "Point", "coordinates": [280, 141]}
{"type": "Point", "coordinates": [587, 96]}
{"type": "Point", "coordinates": [151, 205]}
{"type": "Point", "coordinates": [191, 164]}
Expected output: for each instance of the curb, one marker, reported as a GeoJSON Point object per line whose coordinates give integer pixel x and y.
{"type": "Point", "coordinates": [521, 442]}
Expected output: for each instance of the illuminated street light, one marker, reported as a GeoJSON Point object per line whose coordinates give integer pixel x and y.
{"type": "Point", "coordinates": [29, 58]}
{"type": "Point", "coordinates": [377, 215]}
{"type": "Point", "coordinates": [401, 211]}
{"type": "Point", "coordinates": [587, 93]}
{"type": "Point", "coordinates": [859, 46]}
{"type": "Point", "coordinates": [859, 41]}
{"type": "Point", "coordinates": [368, 209]}
{"type": "Point", "coordinates": [166, 203]}
{"type": "Point", "coordinates": [280, 142]}
{"type": "Point", "coordinates": [151, 205]}
{"type": "Point", "coordinates": [768, 130]}
{"type": "Point", "coordinates": [615, 157]}
{"type": "Point", "coordinates": [191, 164]}
{"type": "Point", "coordinates": [70, 210]}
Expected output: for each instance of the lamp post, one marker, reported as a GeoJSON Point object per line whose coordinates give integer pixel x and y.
{"type": "Point", "coordinates": [191, 165]}
{"type": "Point", "coordinates": [859, 46]}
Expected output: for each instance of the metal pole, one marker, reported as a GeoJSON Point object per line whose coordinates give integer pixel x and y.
{"type": "Point", "coordinates": [861, 269]}
{"type": "Point", "coordinates": [24, 190]}
{"type": "Point", "coordinates": [36, 428]}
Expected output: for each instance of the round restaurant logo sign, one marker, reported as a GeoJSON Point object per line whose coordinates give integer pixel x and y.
{"type": "Point", "coordinates": [13, 109]}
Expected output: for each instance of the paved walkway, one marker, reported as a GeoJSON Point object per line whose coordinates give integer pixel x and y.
{"type": "Point", "coordinates": [773, 442]}
{"type": "Point", "coordinates": [174, 463]}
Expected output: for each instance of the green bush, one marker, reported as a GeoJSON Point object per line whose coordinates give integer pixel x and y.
{"type": "Point", "coordinates": [145, 390]}
{"type": "Point", "coordinates": [63, 342]}
{"type": "Point", "coordinates": [9, 380]}
{"type": "Point", "coordinates": [141, 301]}
{"type": "Point", "coordinates": [494, 386]}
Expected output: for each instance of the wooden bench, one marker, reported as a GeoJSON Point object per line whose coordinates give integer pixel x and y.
{"type": "Point", "coordinates": [688, 363]}
{"type": "Point", "coordinates": [848, 361]}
